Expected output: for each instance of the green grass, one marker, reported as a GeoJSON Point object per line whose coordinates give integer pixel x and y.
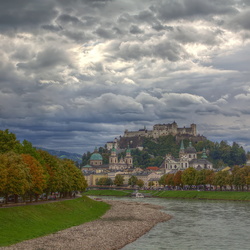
{"type": "Point", "coordinates": [27, 222]}
{"type": "Point", "coordinates": [109, 192]}
{"type": "Point", "coordinates": [211, 195]}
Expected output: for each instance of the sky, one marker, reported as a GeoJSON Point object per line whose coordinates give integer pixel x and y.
{"type": "Point", "coordinates": [75, 74]}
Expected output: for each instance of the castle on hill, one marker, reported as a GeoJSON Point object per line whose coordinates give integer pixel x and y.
{"type": "Point", "coordinates": [135, 138]}
{"type": "Point", "coordinates": [163, 130]}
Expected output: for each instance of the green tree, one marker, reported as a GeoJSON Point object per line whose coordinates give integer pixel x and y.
{"type": "Point", "coordinates": [26, 148]}
{"type": "Point", "coordinates": [220, 179]}
{"type": "Point", "coordinates": [239, 179]}
{"type": "Point", "coordinates": [85, 158]}
{"type": "Point", "coordinates": [140, 183]}
{"type": "Point", "coordinates": [73, 179]}
{"type": "Point", "coordinates": [8, 141]}
{"type": "Point", "coordinates": [150, 183]}
{"type": "Point", "coordinates": [188, 176]}
{"type": "Point", "coordinates": [119, 180]}
{"type": "Point", "coordinates": [162, 180]}
{"type": "Point", "coordinates": [132, 180]}
{"type": "Point", "coordinates": [55, 170]}
{"type": "Point", "coordinates": [104, 181]}
{"type": "Point", "coordinates": [200, 178]}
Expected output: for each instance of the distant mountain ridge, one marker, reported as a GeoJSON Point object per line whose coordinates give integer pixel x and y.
{"type": "Point", "coordinates": [63, 154]}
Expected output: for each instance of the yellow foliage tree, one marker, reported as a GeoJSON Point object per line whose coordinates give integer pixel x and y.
{"type": "Point", "coordinates": [37, 174]}
{"type": "Point", "coordinates": [18, 178]}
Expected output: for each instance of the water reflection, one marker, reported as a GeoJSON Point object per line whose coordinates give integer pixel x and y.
{"type": "Point", "coordinates": [198, 225]}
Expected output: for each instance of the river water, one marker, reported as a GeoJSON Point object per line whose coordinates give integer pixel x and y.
{"type": "Point", "coordinates": [197, 225]}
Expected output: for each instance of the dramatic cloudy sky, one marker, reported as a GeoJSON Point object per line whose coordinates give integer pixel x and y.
{"type": "Point", "coordinates": [75, 74]}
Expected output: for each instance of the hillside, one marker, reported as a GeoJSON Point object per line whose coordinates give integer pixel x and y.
{"type": "Point", "coordinates": [64, 155]}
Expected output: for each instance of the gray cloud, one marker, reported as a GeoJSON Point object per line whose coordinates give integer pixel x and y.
{"type": "Point", "coordinates": [181, 9]}
{"type": "Point", "coordinates": [78, 73]}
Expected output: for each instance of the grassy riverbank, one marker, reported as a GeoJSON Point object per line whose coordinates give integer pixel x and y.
{"type": "Point", "coordinates": [209, 195]}
{"type": "Point", "coordinates": [26, 222]}
{"type": "Point", "coordinates": [109, 192]}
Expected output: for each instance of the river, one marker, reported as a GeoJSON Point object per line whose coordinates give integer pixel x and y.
{"type": "Point", "coordinates": [197, 225]}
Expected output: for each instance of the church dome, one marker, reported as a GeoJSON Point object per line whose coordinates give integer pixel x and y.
{"type": "Point", "coordinates": [128, 151]}
{"type": "Point", "coordinates": [96, 157]}
{"type": "Point", "coordinates": [190, 149]}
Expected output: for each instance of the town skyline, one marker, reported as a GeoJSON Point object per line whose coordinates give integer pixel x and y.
{"type": "Point", "coordinates": [76, 74]}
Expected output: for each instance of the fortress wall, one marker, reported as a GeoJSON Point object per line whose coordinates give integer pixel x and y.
{"type": "Point", "coordinates": [159, 130]}
{"type": "Point", "coordinates": [134, 133]}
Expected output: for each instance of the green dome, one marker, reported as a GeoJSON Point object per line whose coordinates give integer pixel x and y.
{"type": "Point", "coordinates": [87, 166]}
{"type": "Point", "coordinates": [96, 157]}
{"type": "Point", "coordinates": [128, 150]}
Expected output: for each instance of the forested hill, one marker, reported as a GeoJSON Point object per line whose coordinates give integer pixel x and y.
{"type": "Point", "coordinates": [154, 150]}
{"type": "Point", "coordinates": [219, 153]}
{"type": "Point", "coordinates": [64, 155]}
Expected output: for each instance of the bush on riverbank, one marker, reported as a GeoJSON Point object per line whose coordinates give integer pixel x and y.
{"type": "Point", "coordinates": [26, 222]}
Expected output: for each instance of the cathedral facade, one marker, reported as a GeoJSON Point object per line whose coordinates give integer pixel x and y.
{"type": "Point", "coordinates": [187, 158]}
{"type": "Point", "coordinates": [123, 163]}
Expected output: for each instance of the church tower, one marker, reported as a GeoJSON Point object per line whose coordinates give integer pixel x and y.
{"type": "Point", "coordinates": [182, 150]}
{"type": "Point", "coordinates": [128, 158]}
{"type": "Point", "coordinates": [113, 158]}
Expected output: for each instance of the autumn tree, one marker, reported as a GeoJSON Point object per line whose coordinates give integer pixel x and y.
{"type": "Point", "coordinates": [3, 174]}
{"type": "Point", "coordinates": [38, 180]}
{"type": "Point", "coordinates": [169, 179]}
{"type": "Point", "coordinates": [177, 179]}
{"type": "Point", "coordinates": [209, 177]}
{"type": "Point", "coordinates": [18, 175]}
{"type": "Point", "coordinates": [119, 180]}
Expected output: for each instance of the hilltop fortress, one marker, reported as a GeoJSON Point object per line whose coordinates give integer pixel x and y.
{"type": "Point", "coordinates": [135, 138]}
{"type": "Point", "coordinates": [163, 130]}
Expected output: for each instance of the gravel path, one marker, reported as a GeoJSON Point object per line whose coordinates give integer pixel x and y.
{"type": "Point", "coordinates": [121, 225]}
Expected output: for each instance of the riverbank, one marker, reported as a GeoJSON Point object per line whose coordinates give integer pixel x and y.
{"type": "Point", "coordinates": [121, 225]}
{"type": "Point", "coordinates": [21, 222]}
{"type": "Point", "coordinates": [187, 194]}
